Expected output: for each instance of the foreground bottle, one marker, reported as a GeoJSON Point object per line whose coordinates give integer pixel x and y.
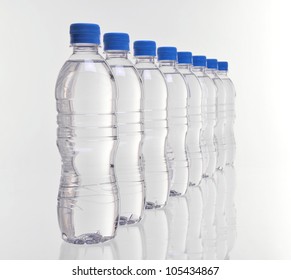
{"type": "Point", "coordinates": [155, 125]}
{"type": "Point", "coordinates": [229, 112]}
{"type": "Point", "coordinates": [208, 116]}
{"type": "Point", "coordinates": [128, 166]}
{"type": "Point", "coordinates": [219, 139]}
{"type": "Point", "coordinates": [85, 95]}
{"type": "Point", "coordinates": [194, 118]}
{"type": "Point", "coordinates": [177, 120]}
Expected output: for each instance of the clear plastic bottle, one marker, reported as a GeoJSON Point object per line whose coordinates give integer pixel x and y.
{"type": "Point", "coordinates": [219, 139]}
{"type": "Point", "coordinates": [85, 97]}
{"type": "Point", "coordinates": [128, 163]}
{"type": "Point", "coordinates": [194, 118]}
{"type": "Point", "coordinates": [208, 116]}
{"type": "Point", "coordinates": [177, 120]}
{"type": "Point", "coordinates": [230, 112]}
{"type": "Point", "coordinates": [155, 125]}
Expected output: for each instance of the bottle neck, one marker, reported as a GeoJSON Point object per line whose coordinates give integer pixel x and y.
{"type": "Point", "coordinates": [184, 66]}
{"type": "Point", "coordinates": [85, 48]}
{"type": "Point", "coordinates": [167, 63]}
{"type": "Point", "coordinates": [211, 70]}
{"type": "Point", "coordinates": [116, 54]}
{"type": "Point", "coordinates": [145, 59]}
{"type": "Point", "coordinates": [222, 73]}
{"type": "Point", "coordinates": [198, 68]}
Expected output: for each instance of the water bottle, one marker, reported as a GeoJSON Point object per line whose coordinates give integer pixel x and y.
{"type": "Point", "coordinates": [229, 111]}
{"type": "Point", "coordinates": [219, 139]}
{"type": "Point", "coordinates": [208, 116]}
{"type": "Point", "coordinates": [177, 120]}
{"type": "Point", "coordinates": [194, 118]}
{"type": "Point", "coordinates": [86, 138]}
{"type": "Point", "coordinates": [128, 163]}
{"type": "Point", "coordinates": [155, 125]}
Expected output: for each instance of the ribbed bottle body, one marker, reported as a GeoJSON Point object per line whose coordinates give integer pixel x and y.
{"type": "Point", "coordinates": [128, 160]}
{"type": "Point", "coordinates": [178, 125]}
{"type": "Point", "coordinates": [86, 138]}
{"type": "Point", "coordinates": [155, 134]}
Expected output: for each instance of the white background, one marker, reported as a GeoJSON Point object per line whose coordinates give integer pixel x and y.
{"type": "Point", "coordinates": [251, 35]}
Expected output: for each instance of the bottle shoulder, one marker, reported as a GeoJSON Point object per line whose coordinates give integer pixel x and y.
{"type": "Point", "coordinates": [75, 72]}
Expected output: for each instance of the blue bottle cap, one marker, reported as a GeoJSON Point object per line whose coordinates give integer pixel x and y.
{"type": "Point", "coordinates": [144, 48]}
{"type": "Point", "coordinates": [223, 65]}
{"type": "Point", "coordinates": [85, 33]}
{"type": "Point", "coordinates": [116, 41]}
{"type": "Point", "coordinates": [167, 53]}
{"type": "Point", "coordinates": [185, 58]}
{"type": "Point", "coordinates": [211, 63]}
{"type": "Point", "coordinates": [199, 60]}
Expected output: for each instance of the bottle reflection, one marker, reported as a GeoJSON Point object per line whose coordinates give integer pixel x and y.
{"type": "Point", "coordinates": [208, 229]}
{"type": "Point", "coordinates": [218, 228]}
{"type": "Point", "coordinates": [194, 239]}
{"type": "Point", "coordinates": [178, 219]}
{"type": "Point", "coordinates": [201, 225]}
{"type": "Point", "coordinates": [220, 218]}
{"type": "Point", "coordinates": [156, 233]}
{"type": "Point", "coordinates": [130, 243]}
{"type": "Point", "coordinates": [230, 209]}
{"type": "Point", "coordinates": [105, 251]}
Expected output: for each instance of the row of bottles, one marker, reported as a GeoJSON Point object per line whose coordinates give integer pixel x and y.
{"type": "Point", "coordinates": [200, 225]}
{"type": "Point", "coordinates": [131, 135]}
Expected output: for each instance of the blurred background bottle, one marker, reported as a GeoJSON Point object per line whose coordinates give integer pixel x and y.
{"type": "Point", "coordinates": [208, 116]}
{"type": "Point", "coordinates": [128, 166]}
{"type": "Point", "coordinates": [177, 120]}
{"type": "Point", "coordinates": [155, 125]}
{"type": "Point", "coordinates": [219, 129]}
{"type": "Point", "coordinates": [194, 118]}
{"type": "Point", "coordinates": [229, 111]}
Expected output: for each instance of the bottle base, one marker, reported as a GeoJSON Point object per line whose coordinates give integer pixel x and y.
{"type": "Point", "coordinates": [88, 238]}
{"type": "Point", "coordinates": [128, 221]}
{"type": "Point", "coordinates": [175, 193]}
{"type": "Point", "coordinates": [152, 205]}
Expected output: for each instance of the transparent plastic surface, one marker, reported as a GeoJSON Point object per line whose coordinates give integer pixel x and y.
{"type": "Point", "coordinates": [208, 122]}
{"type": "Point", "coordinates": [177, 123]}
{"type": "Point", "coordinates": [155, 133]}
{"type": "Point", "coordinates": [86, 138]}
{"type": "Point", "coordinates": [194, 124]}
{"type": "Point", "coordinates": [128, 162]}
{"type": "Point", "coordinates": [229, 117]}
{"type": "Point", "coordinates": [219, 130]}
